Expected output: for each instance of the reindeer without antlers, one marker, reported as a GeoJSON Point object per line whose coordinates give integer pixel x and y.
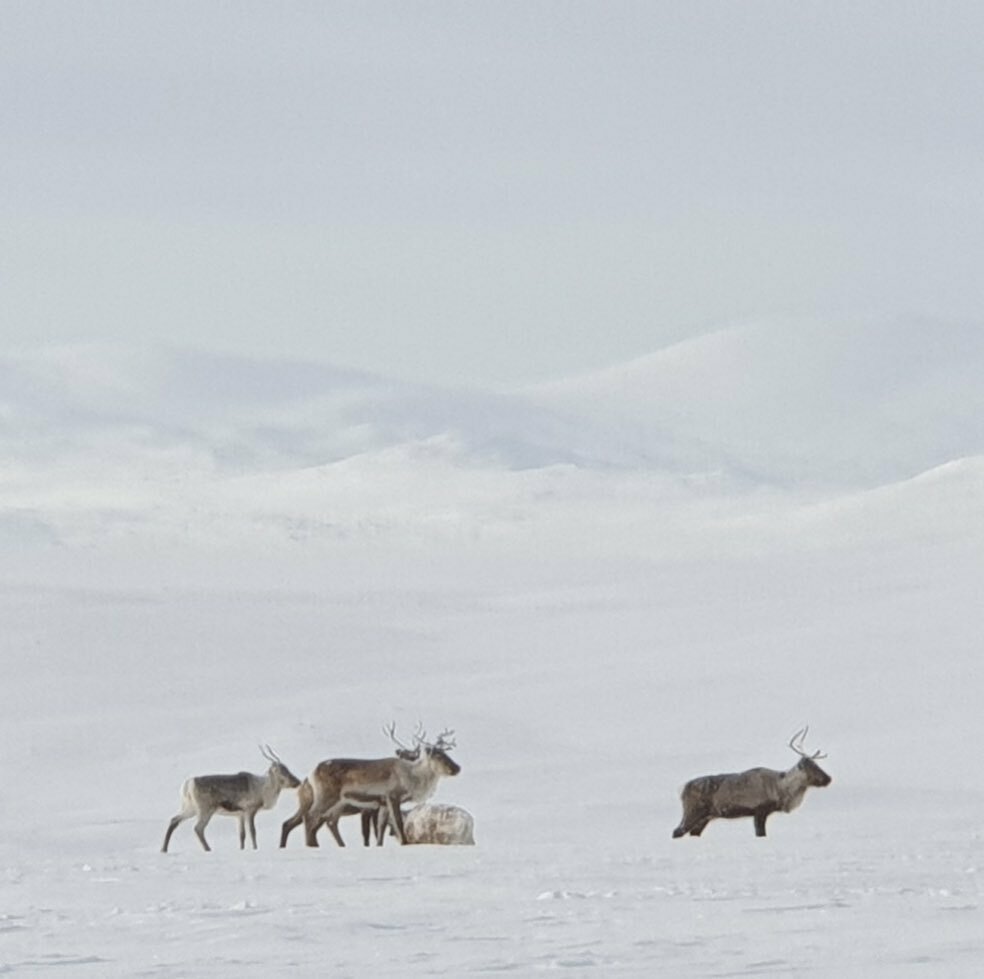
{"type": "Point", "coordinates": [440, 825]}
{"type": "Point", "coordinates": [758, 793]}
{"type": "Point", "coordinates": [340, 786]}
{"type": "Point", "coordinates": [242, 795]}
{"type": "Point", "coordinates": [374, 819]}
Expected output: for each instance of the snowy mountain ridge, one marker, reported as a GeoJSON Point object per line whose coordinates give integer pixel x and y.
{"type": "Point", "coordinates": [840, 401]}
{"type": "Point", "coordinates": [853, 400]}
{"type": "Point", "coordinates": [100, 441]}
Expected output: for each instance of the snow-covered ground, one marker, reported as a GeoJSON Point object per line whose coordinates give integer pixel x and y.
{"type": "Point", "coordinates": [605, 585]}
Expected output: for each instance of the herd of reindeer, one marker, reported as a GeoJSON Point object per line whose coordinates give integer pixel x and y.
{"type": "Point", "coordinates": [378, 789]}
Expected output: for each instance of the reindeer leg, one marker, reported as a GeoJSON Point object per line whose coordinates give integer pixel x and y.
{"type": "Point", "coordinates": [761, 815]}
{"type": "Point", "coordinates": [332, 824]}
{"type": "Point", "coordinates": [692, 822]}
{"type": "Point", "coordinates": [200, 829]}
{"type": "Point", "coordinates": [699, 826]}
{"type": "Point", "coordinates": [251, 816]}
{"type": "Point", "coordinates": [311, 826]}
{"type": "Point", "coordinates": [289, 826]}
{"type": "Point", "coordinates": [172, 826]}
{"type": "Point", "coordinates": [368, 817]}
{"type": "Point", "coordinates": [329, 817]}
{"type": "Point", "coordinates": [396, 816]}
{"type": "Point", "coordinates": [241, 817]}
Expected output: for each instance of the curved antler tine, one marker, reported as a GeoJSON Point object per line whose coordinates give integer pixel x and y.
{"type": "Point", "coordinates": [390, 732]}
{"type": "Point", "coordinates": [272, 755]}
{"type": "Point", "coordinates": [420, 734]}
{"type": "Point", "coordinates": [796, 741]}
{"type": "Point", "coordinates": [445, 740]}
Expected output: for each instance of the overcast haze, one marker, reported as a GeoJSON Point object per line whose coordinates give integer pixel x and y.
{"type": "Point", "coordinates": [483, 193]}
{"type": "Point", "coordinates": [683, 450]}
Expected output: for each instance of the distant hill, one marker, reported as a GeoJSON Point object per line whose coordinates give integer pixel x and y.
{"type": "Point", "coordinates": [115, 443]}
{"type": "Point", "coordinates": [797, 401]}
{"type": "Point", "coordinates": [260, 414]}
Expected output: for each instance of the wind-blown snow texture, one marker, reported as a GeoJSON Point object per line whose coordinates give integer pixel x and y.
{"type": "Point", "coordinates": [606, 586]}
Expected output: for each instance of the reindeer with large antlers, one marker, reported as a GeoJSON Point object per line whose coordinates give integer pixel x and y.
{"type": "Point", "coordinates": [242, 795]}
{"type": "Point", "coordinates": [758, 792]}
{"type": "Point", "coordinates": [340, 786]}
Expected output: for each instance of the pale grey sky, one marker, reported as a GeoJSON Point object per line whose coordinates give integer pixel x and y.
{"type": "Point", "coordinates": [483, 192]}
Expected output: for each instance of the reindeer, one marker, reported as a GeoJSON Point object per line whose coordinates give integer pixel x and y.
{"type": "Point", "coordinates": [340, 786]}
{"type": "Point", "coordinates": [758, 793]}
{"type": "Point", "coordinates": [241, 795]}
{"type": "Point", "coordinates": [374, 818]}
{"type": "Point", "coordinates": [439, 824]}
{"type": "Point", "coordinates": [375, 821]}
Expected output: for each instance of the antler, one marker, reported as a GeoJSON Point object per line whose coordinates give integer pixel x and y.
{"type": "Point", "coordinates": [796, 743]}
{"type": "Point", "coordinates": [390, 732]}
{"type": "Point", "coordinates": [445, 740]}
{"type": "Point", "coordinates": [269, 754]}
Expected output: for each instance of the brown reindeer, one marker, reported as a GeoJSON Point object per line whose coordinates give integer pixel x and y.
{"type": "Point", "coordinates": [341, 786]}
{"type": "Point", "coordinates": [374, 819]}
{"type": "Point", "coordinates": [758, 793]}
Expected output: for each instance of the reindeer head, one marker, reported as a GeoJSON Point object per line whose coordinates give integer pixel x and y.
{"type": "Point", "coordinates": [436, 752]}
{"type": "Point", "coordinates": [278, 769]}
{"type": "Point", "coordinates": [815, 775]}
